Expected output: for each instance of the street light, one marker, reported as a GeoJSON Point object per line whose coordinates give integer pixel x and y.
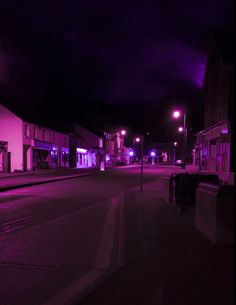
{"type": "Point", "coordinates": [153, 155]}
{"type": "Point", "coordinates": [131, 154]}
{"type": "Point", "coordinates": [177, 114]}
{"type": "Point", "coordinates": [122, 157]}
{"type": "Point", "coordinates": [138, 140]}
{"type": "Point", "coordinates": [175, 144]}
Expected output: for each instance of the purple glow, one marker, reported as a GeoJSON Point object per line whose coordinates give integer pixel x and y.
{"type": "Point", "coordinates": [153, 153]}
{"type": "Point", "coordinates": [123, 132]}
{"type": "Point", "coordinates": [82, 150]}
{"type": "Point", "coordinates": [107, 157]}
{"type": "Point", "coordinates": [224, 130]}
{"type": "Point", "coordinates": [200, 73]}
{"type": "Point", "coordinates": [131, 153]}
{"type": "Point", "coordinates": [102, 166]}
{"type": "Point", "coordinates": [137, 139]}
{"type": "Point", "coordinates": [175, 143]}
{"type": "Point", "coordinates": [176, 114]}
{"type": "Point", "coordinates": [180, 129]}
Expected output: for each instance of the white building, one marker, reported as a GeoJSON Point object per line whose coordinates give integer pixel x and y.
{"type": "Point", "coordinates": [25, 146]}
{"type": "Point", "coordinates": [11, 141]}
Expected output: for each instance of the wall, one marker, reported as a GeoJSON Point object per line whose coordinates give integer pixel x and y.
{"type": "Point", "coordinates": [11, 131]}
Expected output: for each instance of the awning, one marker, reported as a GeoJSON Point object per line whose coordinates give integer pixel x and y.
{"type": "Point", "coordinates": [42, 145]}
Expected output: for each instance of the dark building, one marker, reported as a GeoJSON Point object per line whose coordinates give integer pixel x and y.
{"type": "Point", "coordinates": [214, 144]}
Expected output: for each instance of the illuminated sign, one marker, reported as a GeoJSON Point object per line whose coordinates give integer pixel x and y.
{"type": "Point", "coordinates": [82, 150]}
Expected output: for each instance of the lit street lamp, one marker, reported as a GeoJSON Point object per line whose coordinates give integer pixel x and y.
{"type": "Point", "coordinates": [153, 155]}
{"type": "Point", "coordinates": [131, 154]}
{"type": "Point", "coordinates": [122, 133]}
{"type": "Point", "coordinates": [175, 144]}
{"type": "Point", "coordinates": [138, 140]}
{"type": "Point", "coordinates": [177, 114]}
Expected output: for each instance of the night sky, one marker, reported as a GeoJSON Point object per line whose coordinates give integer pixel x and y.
{"type": "Point", "coordinates": [107, 63]}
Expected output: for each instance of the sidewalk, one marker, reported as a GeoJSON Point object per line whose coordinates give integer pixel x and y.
{"type": "Point", "coordinates": [13, 181]}
{"type": "Point", "coordinates": [168, 262]}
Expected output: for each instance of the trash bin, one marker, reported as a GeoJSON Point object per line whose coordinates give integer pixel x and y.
{"type": "Point", "coordinates": [189, 184]}
{"type": "Point", "coordinates": [175, 188]}
{"type": "Point", "coordinates": [182, 187]}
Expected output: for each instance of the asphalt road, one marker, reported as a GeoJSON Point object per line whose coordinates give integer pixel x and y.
{"type": "Point", "coordinates": [63, 234]}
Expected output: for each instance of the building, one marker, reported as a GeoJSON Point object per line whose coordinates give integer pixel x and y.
{"type": "Point", "coordinates": [86, 148]}
{"type": "Point", "coordinates": [25, 146]}
{"type": "Point", "coordinates": [109, 147]}
{"type": "Point", "coordinates": [11, 141]}
{"type": "Point", "coordinates": [214, 144]}
{"type": "Point", "coordinates": [116, 152]}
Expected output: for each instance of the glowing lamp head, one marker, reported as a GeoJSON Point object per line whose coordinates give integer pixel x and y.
{"type": "Point", "coordinates": [123, 132]}
{"type": "Point", "coordinates": [137, 140]}
{"type": "Point", "coordinates": [131, 153]}
{"type": "Point", "coordinates": [176, 114]}
{"type": "Point", "coordinates": [175, 143]}
{"type": "Point", "coordinates": [181, 129]}
{"type": "Point", "coordinates": [153, 153]}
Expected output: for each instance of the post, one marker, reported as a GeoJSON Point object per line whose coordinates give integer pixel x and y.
{"type": "Point", "coordinates": [185, 141]}
{"type": "Point", "coordinates": [141, 182]}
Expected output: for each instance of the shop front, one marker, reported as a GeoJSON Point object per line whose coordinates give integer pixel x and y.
{"type": "Point", "coordinates": [86, 158]}
{"type": "Point", "coordinates": [42, 154]}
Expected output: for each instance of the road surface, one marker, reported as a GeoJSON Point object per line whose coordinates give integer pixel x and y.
{"type": "Point", "coordinates": [58, 238]}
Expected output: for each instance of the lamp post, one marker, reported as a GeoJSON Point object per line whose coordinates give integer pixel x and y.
{"type": "Point", "coordinates": [131, 154]}
{"type": "Point", "coordinates": [122, 134]}
{"type": "Point", "coordinates": [153, 154]}
{"type": "Point", "coordinates": [175, 144]}
{"type": "Point", "coordinates": [176, 115]}
{"type": "Point", "coordinates": [138, 140]}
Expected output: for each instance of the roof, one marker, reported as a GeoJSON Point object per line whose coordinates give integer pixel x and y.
{"type": "Point", "coordinates": [211, 127]}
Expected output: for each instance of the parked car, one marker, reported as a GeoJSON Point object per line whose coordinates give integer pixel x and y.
{"type": "Point", "coordinates": [180, 163]}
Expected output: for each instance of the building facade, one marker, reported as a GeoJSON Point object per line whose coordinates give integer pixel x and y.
{"type": "Point", "coordinates": [11, 141]}
{"type": "Point", "coordinates": [214, 144]}
{"type": "Point", "coordinates": [44, 147]}
{"type": "Point", "coordinates": [86, 148]}
{"type": "Point", "coordinates": [25, 146]}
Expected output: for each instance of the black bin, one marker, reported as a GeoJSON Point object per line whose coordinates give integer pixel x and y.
{"type": "Point", "coordinates": [175, 188]}
{"type": "Point", "coordinates": [182, 187]}
{"type": "Point", "coordinates": [189, 184]}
